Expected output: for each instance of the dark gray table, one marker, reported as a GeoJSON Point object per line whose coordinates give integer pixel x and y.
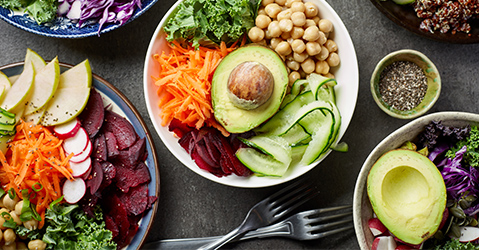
{"type": "Point", "coordinates": [192, 206]}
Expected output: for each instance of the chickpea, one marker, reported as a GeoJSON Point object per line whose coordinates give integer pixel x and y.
{"type": "Point", "coordinates": [1, 203]}
{"type": "Point", "coordinates": [293, 76]}
{"type": "Point", "coordinates": [9, 236]}
{"type": "Point", "coordinates": [313, 48]}
{"type": "Point", "coordinates": [266, 2]}
{"type": "Point", "coordinates": [37, 245]}
{"type": "Point", "coordinates": [274, 42]}
{"type": "Point", "coordinates": [2, 220]}
{"type": "Point", "coordinates": [323, 55]}
{"type": "Point", "coordinates": [297, 32]}
{"type": "Point", "coordinates": [329, 75]}
{"type": "Point", "coordinates": [284, 14]}
{"type": "Point", "coordinates": [261, 11]}
{"type": "Point", "coordinates": [256, 34]}
{"type": "Point", "coordinates": [311, 33]}
{"type": "Point", "coordinates": [311, 10]}
{"type": "Point", "coordinates": [298, 46]}
{"type": "Point", "coordinates": [274, 29]}
{"type": "Point", "coordinates": [308, 66]}
{"type": "Point", "coordinates": [18, 207]}
{"type": "Point", "coordinates": [15, 218]}
{"type": "Point", "coordinates": [272, 9]}
{"type": "Point", "coordinates": [322, 38]}
{"type": "Point", "coordinates": [293, 65]}
{"type": "Point", "coordinates": [12, 246]}
{"type": "Point", "coordinates": [2, 210]}
{"type": "Point", "coordinates": [289, 2]}
{"type": "Point", "coordinates": [283, 48]}
{"type": "Point", "coordinates": [333, 59]}
{"type": "Point", "coordinates": [286, 35]}
{"type": "Point", "coordinates": [262, 21]}
{"type": "Point", "coordinates": [325, 25]}
{"type": "Point", "coordinates": [298, 18]}
{"type": "Point", "coordinates": [10, 203]}
{"type": "Point", "coordinates": [31, 224]}
{"type": "Point", "coordinates": [300, 57]}
{"type": "Point", "coordinates": [290, 40]}
{"type": "Point", "coordinates": [316, 19]}
{"type": "Point", "coordinates": [297, 7]}
{"type": "Point", "coordinates": [21, 246]}
{"type": "Point", "coordinates": [286, 25]}
{"type": "Point", "coordinates": [309, 23]}
{"type": "Point", "coordinates": [331, 45]}
{"type": "Point", "coordinates": [280, 2]}
{"type": "Point", "coordinates": [267, 35]}
{"type": "Point", "coordinates": [322, 67]}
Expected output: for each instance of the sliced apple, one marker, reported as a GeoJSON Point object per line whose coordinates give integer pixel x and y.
{"type": "Point", "coordinates": [66, 104]}
{"type": "Point", "coordinates": [44, 86]}
{"type": "Point", "coordinates": [78, 76]}
{"type": "Point", "coordinates": [20, 90]}
{"type": "Point", "coordinates": [37, 61]}
{"type": "Point", "coordinates": [5, 83]}
{"type": "Point", "coordinates": [35, 117]}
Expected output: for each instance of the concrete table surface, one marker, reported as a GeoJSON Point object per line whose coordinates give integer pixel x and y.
{"type": "Point", "coordinates": [192, 206]}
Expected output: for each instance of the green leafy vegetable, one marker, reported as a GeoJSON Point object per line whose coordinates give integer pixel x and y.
{"type": "Point", "coordinates": [212, 21]}
{"type": "Point", "coordinates": [471, 156]}
{"type": "Point", "coordinates": [456, 245]}
{"type": "Point", "coordinates": [71, 228]}
{"type": "Point", "coordinates": [41, 10]}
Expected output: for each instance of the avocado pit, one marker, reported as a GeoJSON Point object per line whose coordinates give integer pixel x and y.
{"type": "Point", "coordinates": [250, 85]}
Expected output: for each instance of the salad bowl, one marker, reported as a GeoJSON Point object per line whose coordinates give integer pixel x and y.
{"type": "Point", "coordinates": [346, 92]}
{"type": "Point", "coordinates": [120, 104]}
{"type": "Point", "coordinates": [62, 27]}
{"type": "Point", "coordinates": [362, 209]}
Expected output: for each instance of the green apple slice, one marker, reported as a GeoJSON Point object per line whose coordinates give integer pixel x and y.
{"type": "Point", "coordinates": [66, 104]}
{"type": "Point", "coordinates": [35, 117]}
{"type": "Point", "coordinates": [20, 90]}
{"type": "Point", "coordinates": [37, 60]}
{"type": "Point", "coordinates": [4, 83]}
{"type": "Point", "coordinates": [44, 86]}
{"type": "Point", "coordinates": [78, 76]}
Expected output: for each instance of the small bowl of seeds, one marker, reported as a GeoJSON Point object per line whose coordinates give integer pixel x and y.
{"type": "Point", "coordinates": [405, 84]}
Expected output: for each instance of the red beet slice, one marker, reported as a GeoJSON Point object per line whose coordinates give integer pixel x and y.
{"type": "Point", "coordinates": [119, 214]}
{"type": "Point", "coordinates": [111, 225]}
{"type": "Point", "coordinates": [179, 128]}
{"type": "Point", "coordinates": [111, 144]}
{"type": "Point", "coordinates": [136, 200]}
{"type": "Point", "coordinates": [99, 148]}
{"type": "Point", "coordinates": [127, 178]}
{"type": "Point", "coordinates": [204, 165]}
{"type": "Point", "coordinates": [96, 177]}
{"type": "Point", "coordinates": [109, 173]}
{"type": "Point", "coordinates": [225, 148]}
{"type": "Point", "coordinates": [124, 132]}
{"type": "Point", "coordinates": [93, 113]}
{"type": "Point", "coordinates": [188, 141]}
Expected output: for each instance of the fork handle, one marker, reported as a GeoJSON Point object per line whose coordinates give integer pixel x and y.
{"type": "Point", "coordinates": [279, 229]}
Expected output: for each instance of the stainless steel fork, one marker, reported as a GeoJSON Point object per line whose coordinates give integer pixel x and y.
{"type": "Point", "coordinates": [307, 225]}
{"type": "Point", "coordinates": [268, 211]}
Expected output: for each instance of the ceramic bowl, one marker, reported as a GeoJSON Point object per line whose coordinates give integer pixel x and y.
{"type": "Point", "coordinates": [362, 210]}
{"type": "Point", "coordinates": [346, 75]}
{"type": "Point", "coordinates": [433, 83]}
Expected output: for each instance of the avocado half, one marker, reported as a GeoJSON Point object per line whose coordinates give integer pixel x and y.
{"type": "Point", "coordinates": [408, 194]}
{"type": "Point", "coordinates": [233, 118]}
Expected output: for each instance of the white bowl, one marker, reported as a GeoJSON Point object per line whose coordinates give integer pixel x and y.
{"type": "Point", "coordinates": [362, 210]}
{"type": "Point", "coordinates": [347, 77]}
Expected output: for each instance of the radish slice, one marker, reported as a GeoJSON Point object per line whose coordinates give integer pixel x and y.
{"type": "Point", "coordinates": [80, 168]}
{"type": "Point", "coordinates": [76, 144]}
{"type": "Point", "coordinates": [74, 190]}
{"type": "Point", "coordinates": [83, 155]}
{"type": "Point", "coordinates": [376, 226]}
{"type": "Point", "coordinates": [67, 130]}
{"type": "Point", "coordinates": [384, 243]}
{"type": "Point", "coordinates": [469, 234]}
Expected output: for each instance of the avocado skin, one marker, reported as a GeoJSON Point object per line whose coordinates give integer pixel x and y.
{"type": "Point", "coordinates": [237, 120]}
{"type": "Point", "coordinates": [408, 194]}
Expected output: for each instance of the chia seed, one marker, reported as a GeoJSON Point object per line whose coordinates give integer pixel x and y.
{"type": "Point", "coordinates": [402, 85]}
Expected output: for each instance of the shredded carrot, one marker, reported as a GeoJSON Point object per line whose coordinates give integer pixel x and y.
{"type": "Point", "coordinates": [184, 84]}
{"type": "Point", "coordinates": [35, 157]}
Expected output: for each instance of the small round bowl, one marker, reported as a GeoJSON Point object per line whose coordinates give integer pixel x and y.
{"type": "Point", "coordinates": [433, 83]}
{"type": "Point", "coordinates": [362, 210]}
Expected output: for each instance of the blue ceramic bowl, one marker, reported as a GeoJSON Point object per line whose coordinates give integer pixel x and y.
{"type": "Point", "coordinates": [121, 105]}
{"type": "Point", "coordinates": [62, 27]}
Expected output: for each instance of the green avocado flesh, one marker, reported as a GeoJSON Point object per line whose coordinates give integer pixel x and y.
{"type": "Point", "coordinates": [233, 118]}
{"type": "Point", "coordinates": [408, 194]}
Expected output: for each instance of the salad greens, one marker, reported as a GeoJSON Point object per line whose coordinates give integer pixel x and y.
{"type": "Point", "coordinates": [41, 10]}
{"type": "Point", "coordinates": [456, 245]}
{"type": "Point", "coordinates": [212, 21]}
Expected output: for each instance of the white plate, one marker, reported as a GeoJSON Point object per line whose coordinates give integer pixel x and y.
{"type": "Point", "coordinates": [347, 77]}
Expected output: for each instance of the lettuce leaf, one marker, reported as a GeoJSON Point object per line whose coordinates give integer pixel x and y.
{"type": "Point", "coordinates": [209, 22]}
{"type": "Point", "coordinates": [43, 10]}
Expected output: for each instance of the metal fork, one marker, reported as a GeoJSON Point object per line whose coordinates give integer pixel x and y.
{"type": "Point", "coordinates": [300, 226]}
{"type": "Point", "coordinates": [268, 211]}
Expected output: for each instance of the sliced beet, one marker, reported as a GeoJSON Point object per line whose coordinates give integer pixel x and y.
{"type": "Point", "coordinates": [109, 173]}
{"type": "Point", "coordinates": [179, 128]}
{"type": "Point", "coordinates": [188, 141]}
{"type": "Point", "coordinates": [226, 165]}
{"type": "Point", "coordinates": [100, 151]}
{"type": "Point", "coordinates": [136, 200]}
{"type": "Point", "coordinates": [151, 200]}
{"type": "Point", "coordinates": [204, 154]}
{"type": "Point", "coordinates": [127, 178]}
{"type": "Point", "coordinates": [96, 177]}
{"type": "Point", "coordinates": [111, 225]}
{"type": "Point", "coordinates": [93, 114]}
{"type": "Point", "coordinates": [124, 132]}
{"type": "Point", "coordinates": [111, 144]}
{"type": "Point", "coordinates": [204, 165]}
{"type": "Point", "coordinates": [119, 214]}
{"type": "Point", "coordinates": [225, 148]}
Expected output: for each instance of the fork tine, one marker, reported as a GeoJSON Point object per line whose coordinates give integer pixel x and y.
{"type": "Point", "coordinates": [329, 217]}
{"type": "Point", "coordinates": [316, 212]}
{"type": "Point", "coordinates": [331, 232]}
{"type": "Point", "coordinates": [329, 225]}
{"type": "Point", "coordinates": [292, 200]}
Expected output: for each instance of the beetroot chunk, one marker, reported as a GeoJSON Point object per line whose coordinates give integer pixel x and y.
{"type": "Point", "coordinates": [93, 114]}
{"type": "Point", "coordinates": [133, 155]}
{"type": "Point", "coordinates": [136, 200]}
{"type": "Point", "coordinates": [111, 144]}
{"type": "Point", "coordinates": [127, 178]}
{"type": "Point", "coordinates": [124, 132]}
{"type": "Point", "coordinates": [96, 177]}
{"type": "Point", "coordinates": [99, 148]}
